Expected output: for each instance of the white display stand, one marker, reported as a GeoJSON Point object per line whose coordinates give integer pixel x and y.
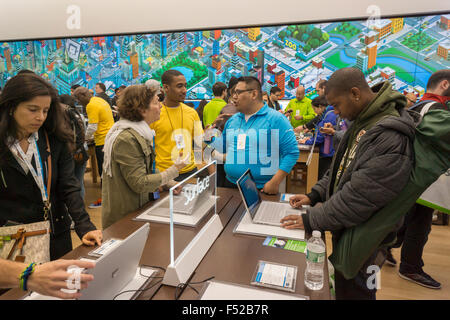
{"type": "Point", "coordinates": [140, 279]}
{"type": "Point", "coordinates": [246, 226]}
{"type": "Point", "coordinates": [216, 290]}
{"type": "Point", "coordinates": [161, 214]}
{"type": "Point", "coordinates": [183, 267]}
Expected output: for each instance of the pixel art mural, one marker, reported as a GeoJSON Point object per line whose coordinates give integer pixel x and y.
{"type": "Point", "coordinates": [405, 51]}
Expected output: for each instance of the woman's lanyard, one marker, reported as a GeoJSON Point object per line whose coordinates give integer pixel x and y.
{"type": "Point", "coordinates": [38, 175]}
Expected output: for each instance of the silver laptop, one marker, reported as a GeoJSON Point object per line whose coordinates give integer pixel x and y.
{"type": "Point", "coordinates": [262, 212]}
{"type": "Point", "coordinates": [162, 207]}
{"type": "Point", "coordinates": [115, 269]}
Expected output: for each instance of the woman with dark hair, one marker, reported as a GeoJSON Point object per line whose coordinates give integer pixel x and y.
{"type": "Point", "coordinates": [37, 179]}
{"type": "Point", "coordinates": [129, 165]}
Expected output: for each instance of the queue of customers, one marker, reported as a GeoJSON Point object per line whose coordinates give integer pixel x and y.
{"type": "Point", "coordinates": [364, 134]}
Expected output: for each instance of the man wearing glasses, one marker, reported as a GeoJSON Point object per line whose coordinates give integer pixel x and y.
{"type": "Point", "coordinates": [275, 94]}
{"type": "Point", "coordinates": [257, 137]}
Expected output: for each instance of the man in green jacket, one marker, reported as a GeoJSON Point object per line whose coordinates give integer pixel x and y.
{"type": "Point", "coordinates": [302, 110]}
{"type": "Point", "coordinates": [370, 168]}
{"type": "Point", "coordinates": [213, 108]}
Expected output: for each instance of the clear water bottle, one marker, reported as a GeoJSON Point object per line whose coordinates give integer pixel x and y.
{"type": "Point", "coordinates": [315, 258]}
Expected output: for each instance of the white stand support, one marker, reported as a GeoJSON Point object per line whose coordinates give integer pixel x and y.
{"type": "Point", "coordinates": [191, 256]}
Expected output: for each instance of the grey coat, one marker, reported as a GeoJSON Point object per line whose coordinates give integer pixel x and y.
{"type": "Point", "coordinates": [379, 171]}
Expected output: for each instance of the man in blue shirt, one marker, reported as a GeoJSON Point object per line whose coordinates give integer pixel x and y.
{"type": "Point", "coordinates": [257, 137]}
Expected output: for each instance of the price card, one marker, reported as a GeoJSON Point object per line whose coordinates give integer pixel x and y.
{"type": "Point", "coordinates": [275, 275]}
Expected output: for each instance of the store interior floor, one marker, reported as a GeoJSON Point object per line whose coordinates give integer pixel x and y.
{"type": "Point", "coordinates": [436, 255]}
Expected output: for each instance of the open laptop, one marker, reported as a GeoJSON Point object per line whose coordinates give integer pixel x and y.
{"type": "Point", "coordinates": [115, 269]}
{"type": "Point", "coordinates": [262, 212]}
{"type": "Point", "coordinates": [161, 208]}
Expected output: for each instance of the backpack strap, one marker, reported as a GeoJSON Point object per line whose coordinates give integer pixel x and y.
{"type": "Point", "coordinates": [426, 108]}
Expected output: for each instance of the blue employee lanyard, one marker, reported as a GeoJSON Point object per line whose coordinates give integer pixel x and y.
{"type": "Point", "coordinates": [39, 175]}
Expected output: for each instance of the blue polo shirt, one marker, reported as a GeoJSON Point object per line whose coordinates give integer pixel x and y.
{"type": "Point", "coordinates": [270, 145]}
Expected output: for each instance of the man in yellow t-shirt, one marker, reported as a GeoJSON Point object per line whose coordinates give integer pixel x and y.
{"type": "Point", "coordinates": [100, 121]}
{"type": "Point", "coordinates": [179, 129]}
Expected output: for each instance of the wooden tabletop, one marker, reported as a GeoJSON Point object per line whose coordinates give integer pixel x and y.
{"type": "Point", "coordinates": [232, 257]}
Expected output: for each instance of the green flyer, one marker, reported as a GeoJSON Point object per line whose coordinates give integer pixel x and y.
{"type": "Point", "coordinates": [292, 245]}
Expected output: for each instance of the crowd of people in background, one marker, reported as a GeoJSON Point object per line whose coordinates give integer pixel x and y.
{"type": "Point", "coordinates": [147, 139]}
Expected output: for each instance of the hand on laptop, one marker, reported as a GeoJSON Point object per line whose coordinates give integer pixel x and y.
{"type": "Point", "coordinates": [292, 222]}
{"type": "Point", "coordinates": [299, 200]}
{"type": "Point", "coordinates": [92, 238]}
{"type": "Point", "coordinates": [49, 278]}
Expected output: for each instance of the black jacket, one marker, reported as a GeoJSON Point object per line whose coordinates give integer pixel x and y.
{"type": "Point", "coordinates": [20, 197]}
{"type": "Point", "coordinates": [105, 97]}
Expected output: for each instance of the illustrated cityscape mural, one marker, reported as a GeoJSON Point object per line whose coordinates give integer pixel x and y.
{"type": "Point", "coordinates": [405, 51]}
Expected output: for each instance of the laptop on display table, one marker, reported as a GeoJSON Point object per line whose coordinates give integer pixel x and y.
{"type": "Point", "coordinates": [262, 212]}
{"type": "Point", "coordinates": [115, 269]}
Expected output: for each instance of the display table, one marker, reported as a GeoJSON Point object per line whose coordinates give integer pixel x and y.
{"type": "Point", "coordinates": [231, 258]}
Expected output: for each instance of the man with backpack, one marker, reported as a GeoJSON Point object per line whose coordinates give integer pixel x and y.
{"type": "Point", "coordinates": [77, 124]}
{"type": "Point", "coordinates": [370, 168]}
{"type": "Point", "coordinates": [417, 224]}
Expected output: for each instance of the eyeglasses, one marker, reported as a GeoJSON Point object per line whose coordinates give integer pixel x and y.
{"type": "Point", "coordinates": [238, 92]}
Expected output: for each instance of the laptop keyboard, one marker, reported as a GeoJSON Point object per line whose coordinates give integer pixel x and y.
{"type": "Point", "coordinates": [269, 212]}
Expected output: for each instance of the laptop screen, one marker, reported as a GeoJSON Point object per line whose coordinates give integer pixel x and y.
{"type": "Point", "coordinates": [250, 192]}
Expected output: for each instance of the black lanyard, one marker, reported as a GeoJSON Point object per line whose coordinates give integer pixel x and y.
{"type": "Point", "coordinates": [181, 110]}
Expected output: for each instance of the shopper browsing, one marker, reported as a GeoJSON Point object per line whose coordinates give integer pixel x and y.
{"type": "Point", "coordinates": [130, 173]}
{"type": "Point", "coordinates": [369, 169]}
{"type": "Point", "coordinates": [100, 119]}
{"type": "Point", "coordinates": [323, 141]}
{"type": "Point", "coordinates": [36, 144]}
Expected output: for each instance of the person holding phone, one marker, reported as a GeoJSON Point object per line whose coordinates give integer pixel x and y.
{"type": "Point", "coordinates": [323, 140]}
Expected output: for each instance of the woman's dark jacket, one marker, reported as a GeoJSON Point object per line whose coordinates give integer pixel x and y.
{"type": "Point", "coordinates": [20, 197]}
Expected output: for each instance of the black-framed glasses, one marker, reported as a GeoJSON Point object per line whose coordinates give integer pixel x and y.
{"type": "Point", "coordinates": [238, 92]}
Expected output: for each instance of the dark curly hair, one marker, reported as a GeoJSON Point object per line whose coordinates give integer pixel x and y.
{"type": "Point", "coordinates": [24, 87]}
{"type": "Point", "coordinates": [134, 99]}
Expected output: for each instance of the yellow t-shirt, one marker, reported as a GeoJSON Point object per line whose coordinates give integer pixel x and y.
{"type": "Point", "coordinates": [99, 111]}
{"type": "Point", "coordinates": [176, 122]}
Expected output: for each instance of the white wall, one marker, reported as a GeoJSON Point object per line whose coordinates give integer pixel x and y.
{"type": "Point", "coordinates": [37, 19]}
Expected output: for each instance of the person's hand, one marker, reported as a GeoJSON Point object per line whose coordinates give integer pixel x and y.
{"type": "Point", "coordinates": [221, 120]}
{"type": "Point", "coordinates": [303, 141]}
{"type": "Point", "coordinates": [177, 190]}
{"type": "Point", "coordinates": [182, 162]}
{"type": "Point", "coordinates": [327, 129]}
{"type": "Point", "coordinates": [270, 187]}
{"type": "Point", "coordinates": [298, 129]}
{"type": "Point", "coordinates": [49, 278]}
{"type": "Point", "coordinates": [292, 221]}
{"type": "Point", "coordinates": [298, 117]}
{"type": "Point", "coordinates": [92, 238]}
{"type": "Point", "coordinates": [299, 200]}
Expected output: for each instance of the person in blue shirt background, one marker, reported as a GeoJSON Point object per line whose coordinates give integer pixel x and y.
{"type": "Point", "coordinates": [257, 137]}
{"type": "Point", "coordinates": [324, 141]}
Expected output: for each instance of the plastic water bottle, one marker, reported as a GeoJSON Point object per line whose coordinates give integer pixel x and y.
{"type": "Point", "coordinates": [315, 258]}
